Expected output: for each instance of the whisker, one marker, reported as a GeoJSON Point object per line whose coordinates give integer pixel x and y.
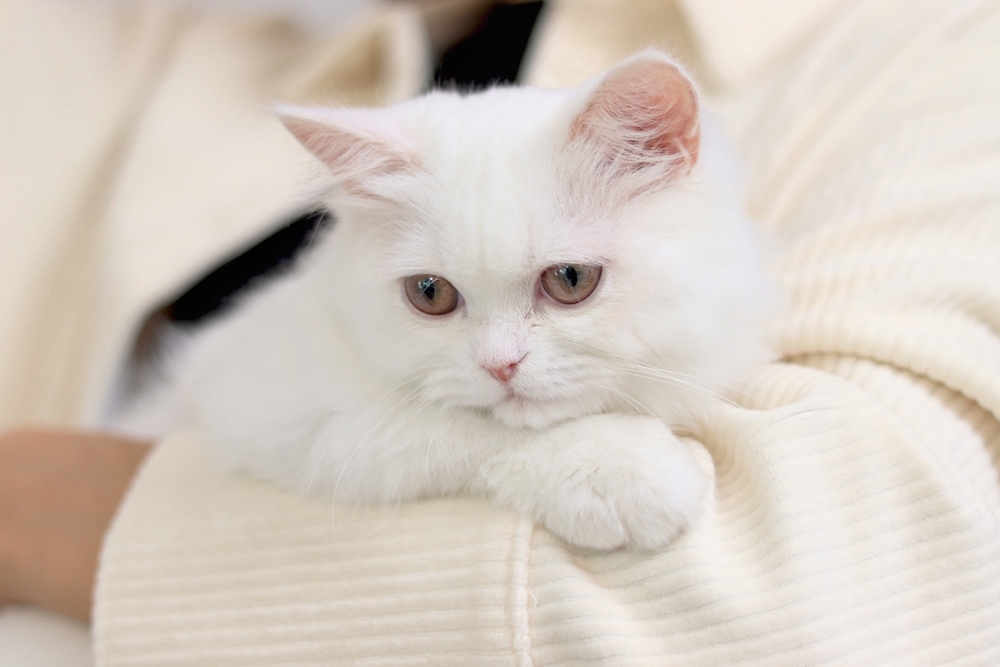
{"type": "Point", "coordinates": [631, 400]}
{"type": "Point", "coordinates": [724, 386]}
{"type": "Point", "coordinates": [678, 378]}
{"type": "Point", "coordinates": [638, 407]}
{"type": "Point", "coordinates": [682, 384]}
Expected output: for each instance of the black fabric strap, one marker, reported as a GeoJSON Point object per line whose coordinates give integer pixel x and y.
{"type": "Point", "coordinates": [213, 293]}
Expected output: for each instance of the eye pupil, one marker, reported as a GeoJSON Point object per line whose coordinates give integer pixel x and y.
{"type": "Point", "coordinates": [569, 275]}
{"type": "Point", "coordinates": [427, 288]}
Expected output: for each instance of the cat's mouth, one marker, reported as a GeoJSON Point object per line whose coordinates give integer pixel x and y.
{"type": "Point", "coordinates": [520, 410]}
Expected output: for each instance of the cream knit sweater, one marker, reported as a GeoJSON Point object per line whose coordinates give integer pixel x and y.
{"type": "Point", "coordinates": [856, 505]}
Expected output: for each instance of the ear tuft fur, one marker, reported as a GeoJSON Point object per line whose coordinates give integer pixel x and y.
{"type": "Point", "coordinates": [350, 142]}
{"type": "Point", "coordinates": [643, 121]}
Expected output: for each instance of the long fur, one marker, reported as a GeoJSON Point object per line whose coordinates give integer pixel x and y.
{"type": "Point", "coordinates": [330, 382]}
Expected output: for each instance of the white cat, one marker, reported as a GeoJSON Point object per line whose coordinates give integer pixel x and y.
{"type": "Point", "coordinates": [525, 291]}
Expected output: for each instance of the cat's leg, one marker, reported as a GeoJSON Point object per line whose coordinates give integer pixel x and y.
{"type": "Point", "coordinates": [602, 481]}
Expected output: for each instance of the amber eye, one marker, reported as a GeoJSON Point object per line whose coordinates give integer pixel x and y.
{"type": "Point", "coordinates": [431, 294]}
{"type": "Point", "coordinates": [570, 283]}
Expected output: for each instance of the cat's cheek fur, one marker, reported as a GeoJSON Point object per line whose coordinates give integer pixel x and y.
{"type": "Point", "coordinates": [348, 278]}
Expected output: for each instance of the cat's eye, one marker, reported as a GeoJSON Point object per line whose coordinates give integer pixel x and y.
{"type": "Point", "coordinates": [570, 283]}
{"type": "Point", "coordinates": [431, 294]}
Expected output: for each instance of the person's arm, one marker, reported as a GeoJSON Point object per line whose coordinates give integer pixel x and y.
{"type": "Point", "coordinates": [59, 491]}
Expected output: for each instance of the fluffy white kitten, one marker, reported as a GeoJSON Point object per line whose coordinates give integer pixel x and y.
{"type": "Point", "coordinates": [525, 292]}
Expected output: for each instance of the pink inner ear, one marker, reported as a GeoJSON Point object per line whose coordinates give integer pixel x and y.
{"type": "Point", "coordinates": [351, 151]}
{"type": "Point", "coordinates": [644, 111]}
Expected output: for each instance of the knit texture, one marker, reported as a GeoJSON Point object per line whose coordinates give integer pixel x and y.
{"type": "Point", "coordinates": [854, 519]}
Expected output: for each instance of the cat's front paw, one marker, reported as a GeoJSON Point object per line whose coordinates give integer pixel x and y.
{"type": "Point", "coordinates": [621, 481]}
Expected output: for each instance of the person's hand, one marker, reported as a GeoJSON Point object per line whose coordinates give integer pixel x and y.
{"type": "Point", "coordinates": [58, 494]}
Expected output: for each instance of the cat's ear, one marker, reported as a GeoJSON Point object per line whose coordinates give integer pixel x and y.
{"type": "Point", "coordinates": [357, 145]}
{"type": "Point", "coordinates": [642, 116]}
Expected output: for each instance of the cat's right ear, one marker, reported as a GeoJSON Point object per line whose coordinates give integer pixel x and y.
{"type": "Point", "coordinates": [357, 145]}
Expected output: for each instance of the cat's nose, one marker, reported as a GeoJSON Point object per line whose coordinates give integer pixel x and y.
{"type": "Point", "coordinates": [503, 373]}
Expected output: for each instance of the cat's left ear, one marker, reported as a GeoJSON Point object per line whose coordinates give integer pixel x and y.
{"type": "Point", "coordinates": [642, 116]}
{"type": "Point", "coordinates": [357, 145]}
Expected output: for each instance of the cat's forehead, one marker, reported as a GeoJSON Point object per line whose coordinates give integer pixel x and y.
{"type": "Point", "coordinates": [487, 206]}
{"type": "Point", "coordinates": [490, 245]}
{"type": "Point", "coordinates": [488, 227]}
{"type": "Point", "coordinates": [495, 143]}
{"type": "Point", "coordinates": [488, 193]}
{"type": "Point", "coordinates": [502, 115]}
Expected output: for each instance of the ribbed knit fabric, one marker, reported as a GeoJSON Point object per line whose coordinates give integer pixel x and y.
{"type": "Point", "coordinates": [856, 503]}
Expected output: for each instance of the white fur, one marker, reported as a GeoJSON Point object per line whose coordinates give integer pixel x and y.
{"type": "Point", "coordinates": [329, 381]}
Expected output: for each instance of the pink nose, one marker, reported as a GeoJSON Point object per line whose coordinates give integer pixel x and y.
{"type": "Point", "coordinates": [503, 373]}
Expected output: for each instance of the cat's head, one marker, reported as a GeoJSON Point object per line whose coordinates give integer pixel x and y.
{"type": "Point", "coordinates": [538, 255]}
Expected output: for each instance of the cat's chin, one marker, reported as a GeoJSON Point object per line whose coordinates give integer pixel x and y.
{"type": "Point", "coordinates": [519, 412]}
